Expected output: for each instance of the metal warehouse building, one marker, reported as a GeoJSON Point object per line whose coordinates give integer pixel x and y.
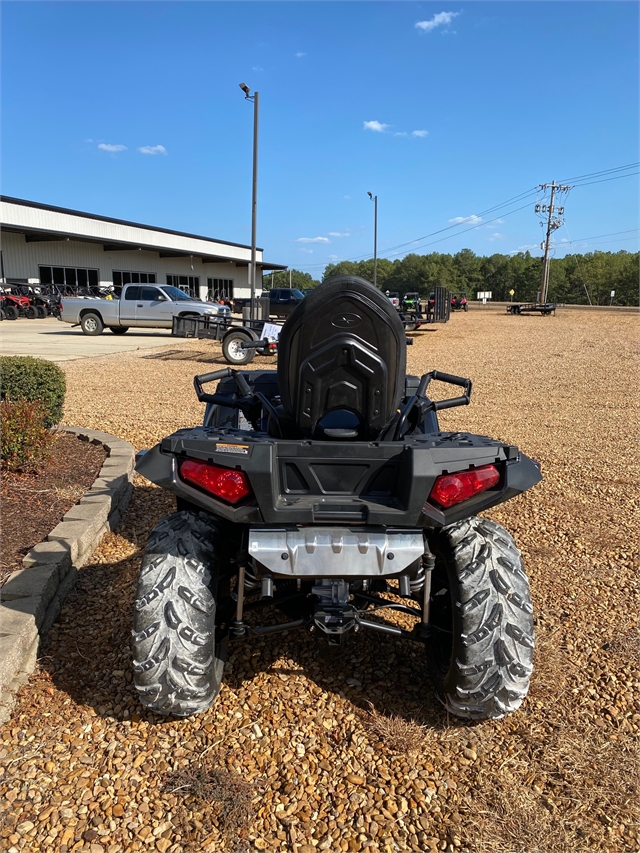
{"type": "Point", "coordinates": [42, 244]}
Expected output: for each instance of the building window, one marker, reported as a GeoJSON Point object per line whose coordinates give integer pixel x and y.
{"type": "Point", "coordinates": [189, 283]}
{"type": "Point", "coordinates": [219, 288]}
{"type": "Point", "coordinates": [121, 277]}
{"type": "Point", "coordinates": [69, 276]}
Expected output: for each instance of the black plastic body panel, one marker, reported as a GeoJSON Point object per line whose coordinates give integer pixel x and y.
{"type": "Point", "coordinates": [311, 482]}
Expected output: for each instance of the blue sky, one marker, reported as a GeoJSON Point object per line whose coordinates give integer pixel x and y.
{"type": "Point", "coordinates": [443, 110]}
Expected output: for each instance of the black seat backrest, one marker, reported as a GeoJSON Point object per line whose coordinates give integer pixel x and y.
{"type": "Point", "coordinates": [342, 361]}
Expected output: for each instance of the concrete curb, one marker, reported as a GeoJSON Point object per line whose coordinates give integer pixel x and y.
{"type": "Point", "coordinates": [31, 599]}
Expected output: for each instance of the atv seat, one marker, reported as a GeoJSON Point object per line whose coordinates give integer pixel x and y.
{"type": "Point", "coordinates": [342, 361]}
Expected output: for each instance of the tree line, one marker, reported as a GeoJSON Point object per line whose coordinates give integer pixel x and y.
{"type": "Point", "coordinates": [574, 279]}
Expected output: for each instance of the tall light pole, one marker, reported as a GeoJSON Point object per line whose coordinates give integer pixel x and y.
{"type": "Point", "coordinates": [254, 195]}
{"type": "Point", "coordinates": [374, 199]}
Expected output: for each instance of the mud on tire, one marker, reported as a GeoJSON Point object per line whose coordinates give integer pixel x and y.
{"type": "Point", "coordinates": [173, 638]}
{"type": "Point", "coordinates": [481, 653]}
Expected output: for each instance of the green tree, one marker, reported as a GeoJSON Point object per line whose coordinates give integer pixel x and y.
{"type": "Point", "coordinates": [300, 280]}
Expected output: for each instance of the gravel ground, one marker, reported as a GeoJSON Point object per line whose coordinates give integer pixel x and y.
{"type": "Point", "coordinates": [307, 749]}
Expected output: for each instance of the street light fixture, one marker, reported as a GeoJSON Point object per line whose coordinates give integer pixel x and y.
{"type": "Point", "coordinates": [254, 196]}
{"type": "Point", "coordinates": [374, 199]}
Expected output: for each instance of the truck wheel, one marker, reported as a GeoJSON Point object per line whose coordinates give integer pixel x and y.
{"type": "Point", "coordinates": [118, 330]}
{"type": "Point", "coordinates": [30, 313]}
{"type": "Point", "coordinates": [11, 312]}
{"type": "Point", "coordinates": [91, 324]}
{"type": "Point", "coordinates": [233, 351]}
{"type": "Point", "coordinates": [481, 651]}
{"type": "Point", "coordinates": [175, 667]}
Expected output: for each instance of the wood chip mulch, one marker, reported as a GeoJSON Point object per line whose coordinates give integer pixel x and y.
{"type": "Point", "coordinates": [34, 503]}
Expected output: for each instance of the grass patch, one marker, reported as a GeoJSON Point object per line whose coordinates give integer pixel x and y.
{"type": "Point", "coordinates": [214, 804]}
{"type": "Point", "coordinates": [398, 734]}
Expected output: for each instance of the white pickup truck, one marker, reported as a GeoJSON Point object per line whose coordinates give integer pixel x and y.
{"type": "Point", "coordinates": [140, 306]}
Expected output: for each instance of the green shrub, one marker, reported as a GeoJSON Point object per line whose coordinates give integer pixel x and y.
{"type": "Point", "coordinates": [25, 441]}
{"type": "Point", "coordinates": [34, 379]}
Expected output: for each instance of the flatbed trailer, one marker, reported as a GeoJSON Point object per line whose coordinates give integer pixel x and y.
{"type": "Point", "coordinates": [241, 339]}
{"type": "Point", "coordinates": [544, 308]}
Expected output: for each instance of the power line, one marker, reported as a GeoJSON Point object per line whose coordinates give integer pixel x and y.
{"type": "Point", "coordinates": [602, 172]}
{"type": "Point", "coordinates": [600, 242]}
{"type": "Point", "coordinates": [441, 230]}
{"type": "Point", "coordinates": [612, 234]}
{"type": "Point", "coordinates": [514, 199]}
{"type": "Point", "coordinates": [604, 180]}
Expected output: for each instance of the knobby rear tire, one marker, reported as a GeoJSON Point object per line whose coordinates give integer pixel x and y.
{"type": "Point", "coordinates": [481, 653]}
{"type": "Point", "coordinates": [175, 667]}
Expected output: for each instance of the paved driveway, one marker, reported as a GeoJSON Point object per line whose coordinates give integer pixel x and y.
{"type": "Point", "coordinates": [58, 341]}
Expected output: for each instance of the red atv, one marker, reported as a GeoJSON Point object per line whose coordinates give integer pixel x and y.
{"type": "Point", "coordinates": [459, 301]}
{"type": "Point", "coordinates": [13, 306]}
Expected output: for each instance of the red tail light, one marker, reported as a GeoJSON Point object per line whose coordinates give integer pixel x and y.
{"type": "Point", "coordinates": [451, 489]}
{"type": "Point", "coordinates": [224, 483]}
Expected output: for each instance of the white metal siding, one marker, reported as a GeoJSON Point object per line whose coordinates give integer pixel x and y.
{"type": "Point", "coordinates": [37, 219]}
{"type": "Point", "coordinates": [22, 259]}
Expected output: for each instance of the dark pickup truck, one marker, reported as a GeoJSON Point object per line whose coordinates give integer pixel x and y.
{"type": "Point", "coordinates": [282, 301]}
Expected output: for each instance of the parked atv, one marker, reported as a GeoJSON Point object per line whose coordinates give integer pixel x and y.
{"type": "Point", "coordinates": [328, 490]}
{"type": "Point", "coordinates": [15, 306]}
{"type": "Point", "coordinates": [40, 300]}
{"type": "Point", "coordinates": [459, 301]}
{"type": "Point", "coordinates": [411, 302]}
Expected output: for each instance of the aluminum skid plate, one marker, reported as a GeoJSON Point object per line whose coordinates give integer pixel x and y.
{"type": "Point", "coordinates": [335, 551]}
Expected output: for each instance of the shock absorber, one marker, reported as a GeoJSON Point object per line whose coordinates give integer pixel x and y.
{"type": "Point", "coordinates": [417, 583]}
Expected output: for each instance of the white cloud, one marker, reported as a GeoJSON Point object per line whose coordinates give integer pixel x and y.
{"type": "Point", "coordinates": [467, 220]}
{"type": "Point", "coordinates": [152, 149]}
{"type": "Point", "coordinates": [347, 196]}
{"type": "Point", "coordinates": [338, 234]}
{"type": "Point", "coordinates": [496, 236]}
{"type": "Point", "coordinates": [313, 240]}
{"type": "Point", "coordinates": [112, 149]}
{"type": "Point", "coordinates": [300, 54]}
{"type": "Point", "coordinates": [257, 68]}
{"type": "Point", "coordinates": [420, 133]}
{"type": "Point", "coordinates": [439, 20]}
{"type": "Point", "coordinates": [333, 257]}
{"type": "Point", "coordinates": [306, 251]}
{"type": "Point", "coordinates": [400, 133]}
{"type": "Point", "coordinates": [376, 126]}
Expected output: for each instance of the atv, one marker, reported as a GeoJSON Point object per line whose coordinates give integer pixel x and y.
{"type": "Point", "coordinates": [15, 305]}
{"type": "Point", "coordinates": [411, 302]}
{"type": "Point", "coordinates": [459, 301]}
{"type": "Point", "coordinates": [326, 493]}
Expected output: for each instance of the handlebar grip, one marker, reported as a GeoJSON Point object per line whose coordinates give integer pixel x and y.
{"type": "Point", "coordinates": [438, 405]}
{"type": "Point", "coordinates": [216, 374]}
{"type": "Point", "coordinates": [439, 376]}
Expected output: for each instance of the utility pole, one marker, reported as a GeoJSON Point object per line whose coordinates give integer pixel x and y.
{"type": "Point", "coordinates": [553, 222]}
{"type": "Point", "coordinates": [289, 279]}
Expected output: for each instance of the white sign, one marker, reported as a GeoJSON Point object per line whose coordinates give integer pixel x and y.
{"type": "Point", "coordinates": [484, 295]}
{"type": "Point", "coordinates": [271, 331]}
{"type": "Point", "coordinates": [613, 293]}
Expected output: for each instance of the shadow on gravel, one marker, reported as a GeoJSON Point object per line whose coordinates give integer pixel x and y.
{"type": "Point", "coordinates": [262, 362]}
{"type": "Point", "coordinates": [87, 653]}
